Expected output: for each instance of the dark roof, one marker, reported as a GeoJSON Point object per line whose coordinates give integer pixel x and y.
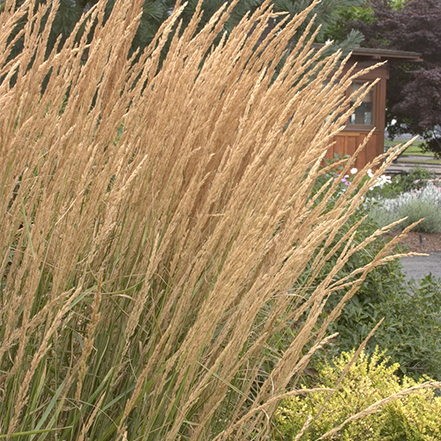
{"type": "Point", "coordinates": [381, 54]}
{"type": "Point", "coordinates": [378, 54]}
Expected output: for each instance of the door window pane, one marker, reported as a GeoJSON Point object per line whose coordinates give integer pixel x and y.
{"type": "Point", "coordinates": [363, 114]}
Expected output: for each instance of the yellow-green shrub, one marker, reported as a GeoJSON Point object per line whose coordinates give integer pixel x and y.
{"type": "Point", "coordinates": [411, 417]}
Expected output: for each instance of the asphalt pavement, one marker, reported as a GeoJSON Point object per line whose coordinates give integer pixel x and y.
{"type": "Point", "coordinates": [419, 266]}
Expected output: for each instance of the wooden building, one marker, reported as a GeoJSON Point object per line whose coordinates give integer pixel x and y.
{"type": "Point", "coordinates": [371, 113]}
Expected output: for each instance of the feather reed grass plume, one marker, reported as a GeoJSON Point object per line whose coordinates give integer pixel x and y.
{"type": "Point", "coordinates": [156, 213]}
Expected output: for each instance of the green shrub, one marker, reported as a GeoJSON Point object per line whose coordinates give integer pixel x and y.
{"type": "Point", "coordinates": [416, 179]}
{"type": "Point", "coordinates": [414, 211]}
{"type": "Point", "coordinates": [411, 330]}
{"type": "Point", "coordinates": [414, 417]}
{"type": "Point", "coordinates": [382, 217]}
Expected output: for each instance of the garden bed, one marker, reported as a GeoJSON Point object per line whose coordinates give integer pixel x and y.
{"type": "Point", "coordinates": [431, 242]}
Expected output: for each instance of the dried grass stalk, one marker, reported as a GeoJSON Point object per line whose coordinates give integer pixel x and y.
{"type": "Point", "coordinates": [156, 213]}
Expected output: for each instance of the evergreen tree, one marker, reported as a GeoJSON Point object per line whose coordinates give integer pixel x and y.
{"type": "Point", "coordinates": [328, 14]}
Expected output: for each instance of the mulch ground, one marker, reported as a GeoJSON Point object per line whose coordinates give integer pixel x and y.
{"type": "Point", "coordinates": [430, 242]}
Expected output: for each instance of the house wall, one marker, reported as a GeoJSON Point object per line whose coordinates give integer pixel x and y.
{"type": "Point", "coordinates": [347, 141]}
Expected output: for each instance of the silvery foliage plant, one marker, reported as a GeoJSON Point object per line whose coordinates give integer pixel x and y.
{"type": "Point", "coordinates": [424, 203]}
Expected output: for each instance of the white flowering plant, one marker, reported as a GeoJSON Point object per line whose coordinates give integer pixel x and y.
{"type": "Point", "coordinates": [379, 183]}
{"type": "Point", "coordinates": [386, 187]}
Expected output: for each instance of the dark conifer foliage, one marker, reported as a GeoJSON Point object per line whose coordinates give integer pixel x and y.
{"type": "Point", "coordinates": [156, 12]}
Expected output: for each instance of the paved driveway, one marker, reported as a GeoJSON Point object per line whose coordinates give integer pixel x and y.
{"type": "Point", "coordinates": [419, 266]}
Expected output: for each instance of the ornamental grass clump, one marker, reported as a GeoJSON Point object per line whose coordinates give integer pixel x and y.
{"type": "Point", "coordinates": [155, 212]}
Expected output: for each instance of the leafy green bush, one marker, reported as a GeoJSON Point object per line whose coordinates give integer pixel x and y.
{"type": "Point", "coordinates": [416, 179]}
{"type": "Point", "coordinates": [413, 417]}
{"type": "Point", "coordinates": [411, 330]}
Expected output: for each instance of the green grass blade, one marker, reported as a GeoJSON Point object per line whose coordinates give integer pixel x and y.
{"type": "Point", "coordinates": [26, 224]}
{"type": "Point", "coordinates": [33, 432]}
